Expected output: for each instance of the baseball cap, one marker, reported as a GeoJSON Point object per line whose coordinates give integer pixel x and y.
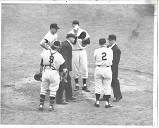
{"type": "Point", "coordinates": [57, 44]}
{"type": "Point", "coordinates": [70, 35]}
{"type": "Point", "coordinates": [54, 25]}
{"type": "Point", "coordinates": [102, 41]}
{"type": "Point", "coordinates": [112, 37]}
{"type": "Point", "coordinates": [75, 22]}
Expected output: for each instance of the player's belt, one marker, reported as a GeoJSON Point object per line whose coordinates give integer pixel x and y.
{"type": "Point", "coordinates": [49, 67]}
{"type": "Point", "coordinates": [77, 49]}
{"type": "Point", "coordinates": [102, 66]}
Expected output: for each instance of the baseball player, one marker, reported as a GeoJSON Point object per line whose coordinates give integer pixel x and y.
{"type": "Point", "coordinates": [50, 37]}
{"type": "Point", "coordinates": [79, 55]}
{"type": "Point", "coordinates": [52, 63]}
{"type": "Point", "coordinates": [103, 73]}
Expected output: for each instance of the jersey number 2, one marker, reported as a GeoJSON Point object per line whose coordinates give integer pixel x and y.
{"type": "Point", "coordinates": [104, 56]}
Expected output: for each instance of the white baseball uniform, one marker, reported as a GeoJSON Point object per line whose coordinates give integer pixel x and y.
{"type": "Point", "coordinates": [103, 74]}
{"type": "Point", "coordinates": [50, 38]}
{"type": "Point", "coordinates": [50, 77]}
{"type": "Point", "coordinates": [79, 57]}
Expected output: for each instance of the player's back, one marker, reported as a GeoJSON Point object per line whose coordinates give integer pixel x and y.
{"type": "Point", "coordinates": [103, 56]}
{"type": "Point", "coordinates": [52, 57]}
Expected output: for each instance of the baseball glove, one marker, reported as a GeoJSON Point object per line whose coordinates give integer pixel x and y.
{"type": "Point", "coordinates": [63, 77]}
{"type": "Point", "coordinates": [84, 43]}
{"type": "Point", "coordinates": [38, 76]}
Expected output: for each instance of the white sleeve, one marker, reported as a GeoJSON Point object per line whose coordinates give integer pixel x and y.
{"type": "Point", "coordinates": [95, 55]}
{"type": "Point", "coordinates": [42, 54]}
{"type": "Point", "coordinates": [42, 41]}
{"type": "Point", "coordinates": [87, 35]}
{"type": "Point", "coordinates": [56, 37]}
{"type": "Point", "coordinates": [62, 60]}
{"type": "Point", "coordinates": [111, 54]}
{"type": "Point", "coordinates": [47, 36]}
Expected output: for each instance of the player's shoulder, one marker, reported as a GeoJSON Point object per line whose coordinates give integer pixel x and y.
{"type": "Point", "coordinates": [64, 43]}
{"type": "Point", "coordinates": [59, 55]}
{"type": "Point", "coordinates": [44, 52]}
{"type": "Point", "coordinates": [48, 33]}
{"type": "Point", "coordinates": [97, 50]}
{"type": "Point", "coordinates": [71, 31]}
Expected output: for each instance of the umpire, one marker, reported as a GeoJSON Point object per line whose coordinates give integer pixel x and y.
{"type": "Point", "coordinates": [66, 52]}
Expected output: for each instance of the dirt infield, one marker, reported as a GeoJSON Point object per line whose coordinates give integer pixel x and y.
{"type": "Point", "coordinates": [24, 25]}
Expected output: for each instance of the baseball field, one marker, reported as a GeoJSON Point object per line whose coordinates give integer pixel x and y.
{"type": "Point", "coordinates": [22, 28]}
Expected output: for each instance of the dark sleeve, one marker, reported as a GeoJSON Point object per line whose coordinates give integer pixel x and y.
{"type": "Point", "coordinates": [64, 52]}
{"type": "Point", "coordinates": [41, 64]}
{"type": "Point", "coordinates": [116, 56]}
{"type": "Point", "coordinates": [63, 66]}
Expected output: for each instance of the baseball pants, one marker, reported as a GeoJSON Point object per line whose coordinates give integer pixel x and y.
{"type": "Point", "coordinates": [103, 79]}
{"type": "Point", "coordinates": [50, 81]}
{"type": "Point", "coordinates": [80, 64]}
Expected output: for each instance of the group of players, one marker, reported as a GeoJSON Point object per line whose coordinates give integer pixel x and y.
{"type": "Point", "coordinates": [59, 58]}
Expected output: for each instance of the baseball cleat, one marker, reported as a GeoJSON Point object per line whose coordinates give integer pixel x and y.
{"type": "Point", "coordinates": [108, 106]}
{"type": "Point", "coordinates": [97, 105]}
{"type": "Point", "coordinates": [85, 89]}
{"type": "Point", "coordinates": [51, 108]}
{"type": "Point", "coordinates": [41, 107]}
{"type": "Point", "coordinates": [62, 103]}
{"type": "Point", "coordinates": [117, 99]}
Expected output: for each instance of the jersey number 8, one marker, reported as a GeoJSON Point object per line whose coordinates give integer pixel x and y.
{"type": "Point", "coordinates": [51, 59]}
{"type": "Point", "coordinates": [104, 56]}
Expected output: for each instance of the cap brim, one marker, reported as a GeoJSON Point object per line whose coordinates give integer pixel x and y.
{"type": "Point", "coordinates": [57, 46]}
{"type": "Point", "coordinates": [57, 28]}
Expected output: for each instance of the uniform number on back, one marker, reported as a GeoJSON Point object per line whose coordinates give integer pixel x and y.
{"type": "Point", "coordinates": [51, 59]}
{"type": "Point", "coordinates": [104, 56]}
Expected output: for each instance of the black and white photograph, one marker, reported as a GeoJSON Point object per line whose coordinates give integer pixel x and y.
{"type": "Point", "coordinates": [79, 63]}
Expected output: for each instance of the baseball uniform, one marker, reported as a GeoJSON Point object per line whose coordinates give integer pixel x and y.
{"type": "Point", "coordinates": [103, 74]}
{"type": "Point", "coordinates": [79, 56]}
{"type": "Point", "coordinates": [50, 77]}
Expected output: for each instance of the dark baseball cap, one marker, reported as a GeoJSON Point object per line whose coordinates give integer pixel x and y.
{"type": "Point", "coordinates": [112, 37]}
{"type": "Point", "coordinates": [54, 25]}
{"type": "Point", "coordinates": [102, 41]}
{"type": "Point", "coordinates": [70, 35]}
{"type": "Point", "coordinates": [57, 44]}
{"type": "Point", "coordinates": [75, 22]}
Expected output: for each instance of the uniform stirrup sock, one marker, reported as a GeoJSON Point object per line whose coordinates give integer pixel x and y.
{"type": "Point", "coordinates": [76, 81]}
{"type": "Point", "coordinates": [84, 81]}
{"type": "Point", "coordinates": [52, 99]}
{"type": "Point", "coordinates": [97, 97]}
{"type": "Point", "coordinates": [106, 97]}
{"type": "Point", "coordinates": [42, 99]}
